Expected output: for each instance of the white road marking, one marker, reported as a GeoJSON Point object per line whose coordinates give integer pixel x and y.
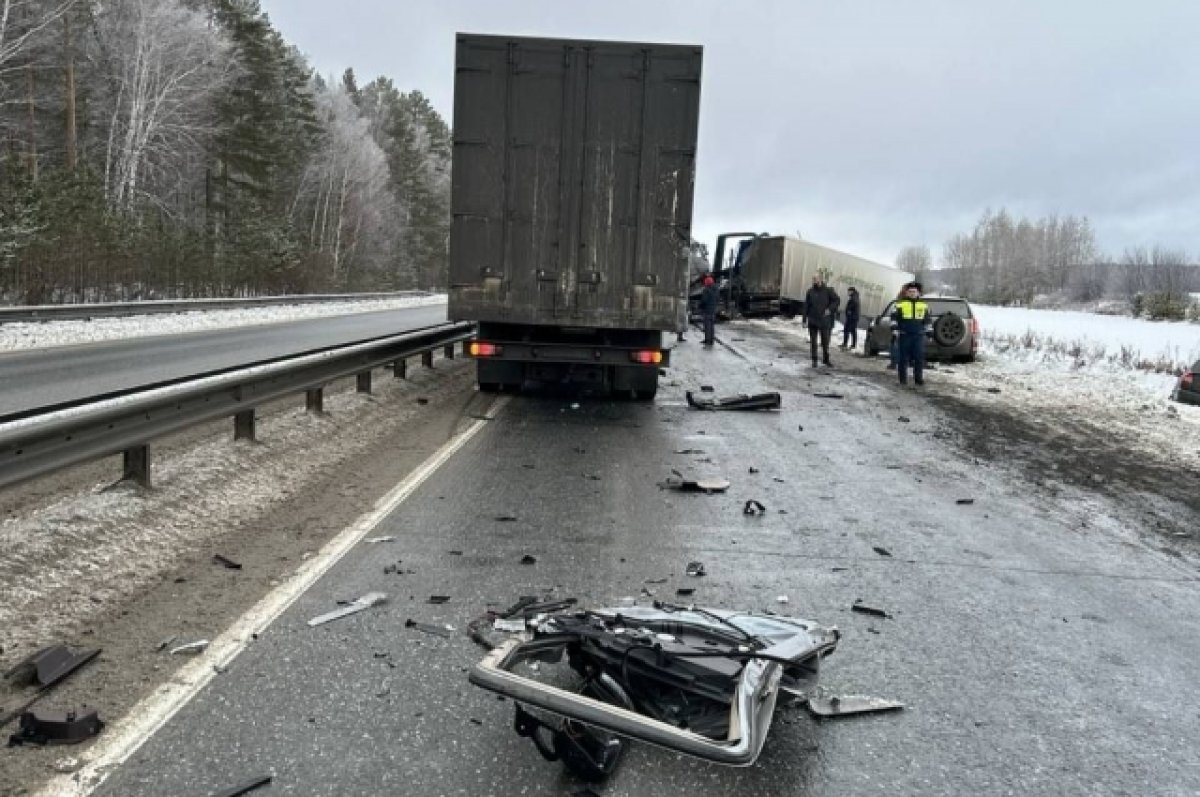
{"type": "Point", "coordinates": [145, 719]}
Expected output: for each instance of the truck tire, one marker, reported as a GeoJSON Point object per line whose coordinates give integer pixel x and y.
{"type": "Point", "coordinates": [949, 330]}
{"type": "Point", "coordinates": [868, 347]}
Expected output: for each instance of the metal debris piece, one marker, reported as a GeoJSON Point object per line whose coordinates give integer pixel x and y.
{"type": "Point", "coordinates": [245, 788]}
{"type": "Point", "coordinates": [881, 551]}
{"type": "Point", "coordinates": [843, 705]}
{"type": "Point", "coordinates": [384, 538]}
{"type": "Point", "coordinates": [696, 485]}
{"type": "Point", "coordinates": [758, 401]}
{"type": "Point", "coordinates": [505, 518]}
{"type": "Point", "coordinates": [190, 647]}
{"type": "Point", "coordinates": [684, 592]}
{"type": "Point", "coordinates": [696, 569]}
{"type": "Point", "coordinates": [225, 561]}
{"type": "Point", "coordinates": [782, 599]}
{"type": "Point", "coordinates": [436, 630]}
{"type": "Point", "coordinates": [438, 599]}
{"type": "Point", "coordinates": [828, 395]}
{"type": "Point", "coordinates": [508, 625]}
{"type": "Point", "coordinates": [862, 608]}
{"type": "Point", "coordinates": [529, 559]}
{"type": "Point", "coordinates": [357, 605]}
{"type": "Point", "coordinates": [49, 665]}
{"type": "Point", "coordinates": [965, 501]}
{"type": "Point", "coordinates": [706, 388]}
{"type": "Point", "coordinates": [53, 727]}
{"type": "Point", "coordinates": [166, 643]}
{"type": "Point", "coordinates": [904, 419]}
{"type": "Point", "coordinates": [754, 508]}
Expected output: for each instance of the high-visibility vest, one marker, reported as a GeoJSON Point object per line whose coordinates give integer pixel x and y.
{"type": "Point", "coordinates": [912, 309]}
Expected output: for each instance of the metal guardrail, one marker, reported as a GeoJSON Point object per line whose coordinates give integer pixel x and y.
{"type": "Point", "coordinates": [39, 445]}
{"type": "Point", "coordinates": [63, 312]}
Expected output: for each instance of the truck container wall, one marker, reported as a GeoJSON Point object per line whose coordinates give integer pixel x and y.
{"type": "Point", "coordinates": [572, 182]}
{"type": "Point", "coordinates": [786, 266]}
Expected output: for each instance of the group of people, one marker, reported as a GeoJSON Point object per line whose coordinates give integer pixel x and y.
{"type": "Point", "coordinates": [909, 319]}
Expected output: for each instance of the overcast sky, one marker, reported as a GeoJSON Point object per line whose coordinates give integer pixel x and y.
{"type": "Point", "coordinates": [873, 124]}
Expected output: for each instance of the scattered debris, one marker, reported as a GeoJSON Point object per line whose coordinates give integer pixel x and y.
{"type": "Point", "coordinates": [696, 569]}
{"type": "Point", "coordinates": [67, 765]}
{"type": "Point", "coordinates": [454, 553]}
{"type": "Point", "coordinates": [49, 665]}
{"type": "Point", "coordinates": [684, 592]}
{"type": "Point", "coordinates": [505, 518]}
{"type": "Point", "coordinates": [862, 608]}
{"type": "Point", "coordinates": [529, 559]}
{"type": "Point", "coordinates": [357, 605]}
{"type": "Point", "coordinates": [759, 401]}
{"type": "Point", "coordinates": [655, 581]}
{"type": "Point", "coordinates": [698, 681]}
{"type": "Point", "coordinates": [437, 600]}
{"type": "Point", "coordinates": [778, 480]}
{"type": "Point", "coordinates": [509, 626]}
{"type": "Point", "coordinates": [394, 569]}
{"type": "Point", "coordinates": [166, 643]}
{"type": "Point", "coordinates": [993, 390]}
{"type": "Point", "coordinates": [706, 388]}
{"type": "Point", "coordinates": [384, 538]}
{"type": "Point", "coordinates": [840, 706]}
{"type": "Point", "coordinates": [829, 395]}
{"type": "Point", "coordinates": [753, 470]}
{"type": "Point", "coordinates": [838, 569]}
{"type": "Point", "coordinates": [696, 485]}
{"type": "Point", "coordinates": [436, 630]}
{"type": "Point", "coordinates": [228, 563]}
{"type": "Point", "coordinates": [881, 551]}
{"type": "Point", "coordinates": [904, 419]}
{"type": "Point", "coordinates": [51, 727]}
{"type": "Point", "coordinates": [781, 599]}
{"type": "Point", "coordinates": [245, 788]}
{"type": "Point", "coordinates": [753, 508]}
{"type": "Point", "coordinates": [190, 648]}
{"type": "Point", "coordinates": [575, 406]}
{"type": "Point", "coordinates": [689, 451]}
{"type": "Point", "coordinates": [965, 501]}
{"type": "Point", "coordinates": [422, 401]}
{"type": "Point", "coordinates": [800, 428]}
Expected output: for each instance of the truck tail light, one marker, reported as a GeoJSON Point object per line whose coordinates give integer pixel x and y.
{"type": "Point", "coordinates": [646, 357]}
{"type": "Point", "coordinates": [479, 348]}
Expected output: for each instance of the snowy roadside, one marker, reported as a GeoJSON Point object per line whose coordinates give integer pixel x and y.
{"type": "Point", "coordinates": [45, 334]}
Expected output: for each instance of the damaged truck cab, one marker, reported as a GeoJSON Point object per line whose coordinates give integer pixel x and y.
{"type": "Point", "coordinates": [573, 173]}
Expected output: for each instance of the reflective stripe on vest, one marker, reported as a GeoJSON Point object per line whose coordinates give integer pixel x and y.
{"type": "Point", "coordinates": [912, 309]}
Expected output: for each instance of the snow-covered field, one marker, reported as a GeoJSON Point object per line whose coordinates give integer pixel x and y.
{"type": "Point", "coordinates": [44, 334]}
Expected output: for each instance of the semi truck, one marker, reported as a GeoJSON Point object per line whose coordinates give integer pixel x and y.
{"type": "Point", "coordinates": [771, 274]}
{"type": "Point", "coordinates": [571, 199]}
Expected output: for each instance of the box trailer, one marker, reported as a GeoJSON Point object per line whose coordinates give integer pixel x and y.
{"type": "Point", "coordinates": [773, 273]}
{"type": "Point", "coordinates": [572, 181]}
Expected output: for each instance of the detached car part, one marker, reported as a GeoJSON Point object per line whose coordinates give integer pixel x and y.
{"type": "Point", "coordinates": [759, 401]}
{"type": "Point", "coordinates": [56, 728]}
{"type": "Point", "coordinates": [703, 682]}
{"type": "Point", "coordinates": [49, 665]}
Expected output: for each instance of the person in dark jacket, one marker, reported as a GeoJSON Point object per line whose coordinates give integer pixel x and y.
{"type": "Point", "coordinates": [820, 308]}
{"type": "Point", "coordinates": [911, 317]}
{"type": "Point", "coordinates": [708, 309]}
{"type": "Point", "coordinates": [850, 320]}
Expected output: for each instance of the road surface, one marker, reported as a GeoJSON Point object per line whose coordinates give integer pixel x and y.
{"type": "Point", "coordinates": [48, 377]}
{"type": "Point", "coordinates": [1041, 645]}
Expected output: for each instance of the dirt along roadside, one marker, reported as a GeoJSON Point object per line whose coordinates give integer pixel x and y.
{"type": "Point", "coordinates": [124, 569]}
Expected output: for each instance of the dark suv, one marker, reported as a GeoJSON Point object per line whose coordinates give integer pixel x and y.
{"type": "Point", "coordinates": [953, 334]}
{"type": "Point", "coordinates": [1187, 390]}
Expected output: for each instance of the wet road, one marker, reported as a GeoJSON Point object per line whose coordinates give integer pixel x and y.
{"type": "Point", "coordinates": [49, 377]}
{"type": "Point", "coordinates": [1035, 657]}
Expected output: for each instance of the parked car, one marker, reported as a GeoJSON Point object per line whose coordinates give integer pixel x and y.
{"type": "Point", "coordinates": [953, 333]}
{"type": "Point", "coordinates": [1187, 390]}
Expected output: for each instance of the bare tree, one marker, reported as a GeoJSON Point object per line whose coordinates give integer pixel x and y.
{"type": "Point", "coordinates": [22, 21]}
{"type": "Point", "coordinates": [916, 260]}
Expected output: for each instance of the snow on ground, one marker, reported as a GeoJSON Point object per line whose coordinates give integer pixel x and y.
{"type": "Point", "coordinates": [1087, 341]}
{"type": "Point", "coordinates": [44, 334]}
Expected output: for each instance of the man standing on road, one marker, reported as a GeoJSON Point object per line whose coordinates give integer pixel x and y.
{"type": "Point", "coordinates": [911, 317]}
{"type": "Point", "coordinates": [708, 309]}
{"type": "Point", "coordinates": [850, 319]}
{"type": "Point", "coordinates": [820, 307]}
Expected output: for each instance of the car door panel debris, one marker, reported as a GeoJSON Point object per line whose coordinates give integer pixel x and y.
{"type": "Point", "coordinates": [70, 727]}
{"type": "Point", "coordinates": [743, 401]}
{"type": "Point", "coordinates": [844, 705]}
{"type": "Point", "coordinates": [356, 606]}
{"type": "Point", "coordinates": [702, 682]}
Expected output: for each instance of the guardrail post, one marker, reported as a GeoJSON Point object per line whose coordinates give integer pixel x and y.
{"type": "Point", "coordinates": [400, 369]}
{"type": "Point", "coordinates": [243, 425]}
{"type": "Point", "coordinates": [137, 465]}
{"type": "Point", "coordinates": [362, 382]}
{"type": "Point", "coordinates": [427, 358]}
{"type": "Point", "coordinates": [314, 400]}
{"type": "Point", "coordinates": [448, 351]}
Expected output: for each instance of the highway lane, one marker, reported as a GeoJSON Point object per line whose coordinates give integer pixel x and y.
{"type": "Point", "coordinates": [1034, 658]}
{"type": "Point", "coordinates": [47, 377]}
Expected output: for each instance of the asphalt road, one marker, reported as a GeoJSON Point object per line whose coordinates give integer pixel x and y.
{"type": "Point", "coordinates": [48, 377]}
{"type": "Point", "coordinates": [1034, 656]}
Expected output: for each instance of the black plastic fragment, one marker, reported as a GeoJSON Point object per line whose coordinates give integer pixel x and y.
{"type": "Point", "coordinates": [829, 395]}
{"type": "Point", "coordinates": [862, 608]}
{"type": "Point", "coordinates": [245, 788]}
{"type": "Point", "coordinates": [438, 599]}
{"type": "Point", "coordinates": [759, 401]}
{"type": "Point", "coordinates": [529, 559]}
{"type": "Point", "coordinates": [753, 508]}
{"type": "Point", "coordinates": [228, 563]}
{"type": "Point", "coordinates": [436, 630]}
{"type": "Point", "coordinates": [881, 551]}
{"type": "Point", "coordinates": [696, 569]}
{"type": "Point", "coordinates": [505, 518]}
{"type": "Point", "coordinates": [49, 665]}
{"type": "Point", "coordinates": [52, 727]}
{"type": "Point", "coordinates": [683, 592]}
{"type": "Point", "coordinates": [965, 501]}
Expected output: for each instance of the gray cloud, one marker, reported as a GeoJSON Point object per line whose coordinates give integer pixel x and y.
{"type": "Point", "coordinates": [873, 124]}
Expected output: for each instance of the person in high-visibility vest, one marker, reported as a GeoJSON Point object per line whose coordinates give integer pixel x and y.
{"type": "Point", "coordinates": [911, 318]}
